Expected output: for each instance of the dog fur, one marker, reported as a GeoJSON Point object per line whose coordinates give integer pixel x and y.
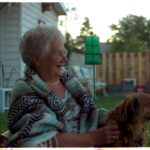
{"type": "Point", "coordinates": [131, 115]}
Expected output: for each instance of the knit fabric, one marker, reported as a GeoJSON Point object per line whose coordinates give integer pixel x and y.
{"type": "Point", "coordinates": [37, 114]}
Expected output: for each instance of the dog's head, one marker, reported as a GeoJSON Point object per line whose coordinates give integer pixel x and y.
{"type": "Point", "coordinates": [131, 115]}
{"type": "Point", "coordinates": [133, 108]}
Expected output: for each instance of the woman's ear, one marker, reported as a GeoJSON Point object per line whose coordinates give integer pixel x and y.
{"type": "Point", "coordinates": [132, 108]}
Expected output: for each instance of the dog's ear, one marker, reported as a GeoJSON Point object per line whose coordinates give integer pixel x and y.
{"type": "Point", "coordinates": [132, 108]}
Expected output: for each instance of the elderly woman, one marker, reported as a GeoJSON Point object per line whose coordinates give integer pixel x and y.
{"type": "Point", "coordinates": [50, 107]}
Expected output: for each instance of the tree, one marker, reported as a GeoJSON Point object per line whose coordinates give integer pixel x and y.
{"type": "Point", "coordinates": [77, 44]}
{"type": "Point", "coordinates": [86, 27]}
{"type": "Point", "coordinates": [131, 34]}
{"type": "Point", "coordinates": [85, 30]}
{"type": "Point", "coordinates": [70, 44]}
{"type": "Point", "coordinates": [71, 15]}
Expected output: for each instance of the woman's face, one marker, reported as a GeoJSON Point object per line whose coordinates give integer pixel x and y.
{"type": "Point", "coordinates": [55, 59]}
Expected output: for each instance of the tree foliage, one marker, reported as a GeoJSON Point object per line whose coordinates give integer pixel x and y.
{"type": "Point", "coordinates": [132, 33]}
{"type": "Point", "coordinates": [70, 44]}
{"type": "Point", "coordinates": [77, 44]}
{"type": "Point", "coordinates": [86, 27]}
{"type": "Point", "coordinates": [85, 30]}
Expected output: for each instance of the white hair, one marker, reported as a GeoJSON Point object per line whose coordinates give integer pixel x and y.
{"type": "Point", "coordinates": [38, 41]}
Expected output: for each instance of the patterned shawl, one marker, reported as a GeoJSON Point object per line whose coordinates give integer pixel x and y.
{"type": "Point", "coordinates": [30, 125]}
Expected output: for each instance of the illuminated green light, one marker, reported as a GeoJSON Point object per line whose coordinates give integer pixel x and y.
{"type": "Point", "coordinates": [92, 59]}
{"type": "Point", "coordinates": [92, 50]}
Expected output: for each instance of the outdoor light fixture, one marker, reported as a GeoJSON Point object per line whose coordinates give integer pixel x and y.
{"type": "Point", "coordinates": [92, 54]}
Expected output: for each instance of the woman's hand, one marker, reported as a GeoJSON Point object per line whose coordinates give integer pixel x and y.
{"type": "Point", "coordinates": [105, 135]}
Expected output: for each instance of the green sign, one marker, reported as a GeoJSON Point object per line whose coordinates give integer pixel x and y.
{"type": "Point", "coordinates": [92, 50]}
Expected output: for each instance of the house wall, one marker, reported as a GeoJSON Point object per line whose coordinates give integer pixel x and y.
{"type": "Point", "coordinates": [31, 13]}
{"type": "Point", "coordinates": [9, 25]}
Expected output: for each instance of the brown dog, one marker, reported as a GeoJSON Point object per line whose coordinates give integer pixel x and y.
{"type": "Point", "coordinates": [132, 115]}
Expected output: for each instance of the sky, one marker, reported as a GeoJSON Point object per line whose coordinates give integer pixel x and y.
{"type": "Point", "coordinates": [103, 13]}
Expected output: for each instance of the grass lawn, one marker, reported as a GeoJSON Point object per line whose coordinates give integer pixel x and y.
{"type": "Point", "coordinates": [107, 101]}
{"type": "Point", "coordinates": [101, 101]}
{"type": "Point", "coordinates": [3, 121]}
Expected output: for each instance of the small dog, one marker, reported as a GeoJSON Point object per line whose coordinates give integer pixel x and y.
{"type": "Point", "coordinates": [131, 115]}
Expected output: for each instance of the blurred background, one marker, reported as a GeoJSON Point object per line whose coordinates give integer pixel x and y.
{"type": "Point", "coordinates": [123, 28]}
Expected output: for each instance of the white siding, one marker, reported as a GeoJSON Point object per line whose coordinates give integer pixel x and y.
{"type": "Point", "coordinates": [9, 41]}
{"type": "Point", "coordinates": [1, 47]}
{"type": "Point", "coordinates": [32, 12]}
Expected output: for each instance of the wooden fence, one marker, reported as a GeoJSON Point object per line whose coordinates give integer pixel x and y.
{"type": "Point", "coordinates": [117, 66]}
